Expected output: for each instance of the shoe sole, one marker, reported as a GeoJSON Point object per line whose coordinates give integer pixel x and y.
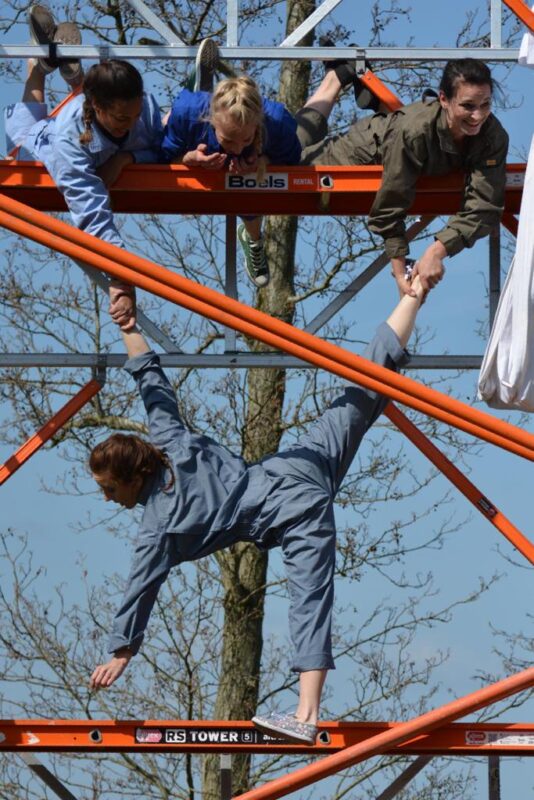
{"type": "Point", "coordinates": [281, 734]}
{"type": "Point", "coordinates": [69, 33]}
{"type": "Point", "coordinates": [42, 27]}
{"type": "Point", "coordinates": [207, 59]}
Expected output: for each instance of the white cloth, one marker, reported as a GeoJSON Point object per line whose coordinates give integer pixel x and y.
{"type": "Point", "coordinates": [506, 377]}
{"type": "Point", "coordinates": [526, 51]}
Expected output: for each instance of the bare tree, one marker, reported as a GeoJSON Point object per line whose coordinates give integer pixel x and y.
{"type": "Point", "coordinates": [206, 656]}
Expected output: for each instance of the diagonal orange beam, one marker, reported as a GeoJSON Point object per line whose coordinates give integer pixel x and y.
{"type": "Point", "coordinates": [381, 91]}
{"type": "Point", "coordinates": [48, 430]}
{"type": "Point", "coordinates": [383, 741]}
{"type": "Point", "coordinates": [214, 305]}
{"type": "Point", "coordinates": [522, 11]}
{"type": "Point", "coordinates": [468, 489]}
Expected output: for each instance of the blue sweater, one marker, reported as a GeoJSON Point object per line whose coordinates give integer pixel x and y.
{"type": "Point", "coordinates": [188, 127]}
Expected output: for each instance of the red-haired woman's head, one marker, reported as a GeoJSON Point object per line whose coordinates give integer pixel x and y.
{"type": "Point", "coordinates": [122, 463]}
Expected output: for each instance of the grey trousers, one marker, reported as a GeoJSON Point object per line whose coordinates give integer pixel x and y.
{"type": "Point", "coordinates": [312, 472]}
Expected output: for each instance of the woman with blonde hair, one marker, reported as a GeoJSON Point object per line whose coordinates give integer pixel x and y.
{"type": "Point", "coordinates": [237, 129]}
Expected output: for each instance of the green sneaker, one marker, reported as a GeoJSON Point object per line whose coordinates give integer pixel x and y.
{"type": "Point", "coordinates": [255, 260]}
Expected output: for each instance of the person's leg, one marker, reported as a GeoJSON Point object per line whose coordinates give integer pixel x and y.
{"type": "Point", "coordinates": [325, 452]}
{"type": "Point", "coordinates": [44, 30]}
{"type": "Point", "coordinates": [312, 118]}
{"type": "Point", "coordinates": [355, 147]}
{"type": "Point", "coordinates": [326, 95]}
{"type": "Point", "coordinates": [21, 118]}
{"type": "Point", "coordinates": [310, 691]}
{"type": "Point", "coordinates": [308, 549]}
{"type": "Point", "coordinates": [251, 241]}
{"type": "Point", "coordinates": [34, 88]}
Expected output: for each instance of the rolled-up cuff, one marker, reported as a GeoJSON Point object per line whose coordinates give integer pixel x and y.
{"type": "Point", "coordinates": [386, 344]}
{"type": "Point", "coordinates": [137, 363]}
{"type": "Point", "coordinates": [313, 661]}
{"type": "Point", "coordinates": [117, 642]}
{"type": "Point", "coordinates": [451, 241]}
{"type": "Point", "coordinates": [396, 247]}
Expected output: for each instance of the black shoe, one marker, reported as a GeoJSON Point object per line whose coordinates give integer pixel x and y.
{"type": "Point", "coordinates": [346, 74]}
{"type": "Point", "coordinates": [429, 95]}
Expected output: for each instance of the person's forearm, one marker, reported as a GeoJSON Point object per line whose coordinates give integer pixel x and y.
{"type": "Point", "coordinates": [402, 318]}
{"type": "Point", "coordinates": [135, 343]}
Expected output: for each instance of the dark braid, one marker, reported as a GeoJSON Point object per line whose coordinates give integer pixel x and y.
{"type": "Point", "coordinates": [88, 116]}
{"type": "Point", "coordinates": [103, 85]}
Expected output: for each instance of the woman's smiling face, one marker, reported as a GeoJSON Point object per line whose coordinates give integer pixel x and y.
{"type": "Point", "coordinates": [468, 109]}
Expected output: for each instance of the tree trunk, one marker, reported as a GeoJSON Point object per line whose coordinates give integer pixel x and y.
{"type": "Point", "coordinates": [244, 567]}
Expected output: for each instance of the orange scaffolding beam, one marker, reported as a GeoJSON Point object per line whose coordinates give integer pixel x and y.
{"type": "Point", "coordinates": [175, 189]}
{"type": "Point", "coordinates": [213, 305]}
{"type": "Point", "coordinates": [522, 11]}
{"type": "Point", "coordinates": [465, 486]}
{"type": "Point", "coordinates": [381, 91]}
{"type": "Point", "coordinates": [403, 732]}
{"type": "Point", "coordinates": [49, 429]}
{"type": "Point", "coordinates": [63, 736]}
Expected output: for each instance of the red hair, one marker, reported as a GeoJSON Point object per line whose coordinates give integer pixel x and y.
{"type": "Point", "coordinates": [126, 457]}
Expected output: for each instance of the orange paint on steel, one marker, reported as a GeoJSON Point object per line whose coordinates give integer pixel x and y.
{"type": "Point", "coordinates": [522, 11]}
{"type": "Point", "coordinates": [381, 91]}
{"type": "Point", "coordinates": [126, 266]}
{"type": "Point", "coordinates": [167, 292]}
{"type": "Point", "coordinates": [402, 733]}
{"type": "Point", "coordinates": [468, 489]}
{"type": "Point", "coordinates": [202, 736]}
{"type": "Point", "coordinates": [510, 223]}
{"type": "Point", "coordinates": [48, 430]}
{"type": "Point", "coordinates": [172, 189]}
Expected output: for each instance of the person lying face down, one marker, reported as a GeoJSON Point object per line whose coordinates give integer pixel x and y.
{"type": "Point", "coordinates": [455, 131]}
{"type": "Point", "coordinates": [109, 125]}
{"type": "Point", "coordinates": [198, 497]}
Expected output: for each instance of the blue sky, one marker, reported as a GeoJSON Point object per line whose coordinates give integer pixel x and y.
{"type": "Point", "coordinates": [451, 312]}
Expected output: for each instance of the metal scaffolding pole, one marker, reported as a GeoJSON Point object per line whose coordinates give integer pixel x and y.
{"type": "Point", "coordinates": [141, 272]}
{"type": "Point", "coordinates": [155, 22]}
{"type": "Point", "coordinates": [47, 777]}
{"type": "Point", "coordinates": [404, 778]}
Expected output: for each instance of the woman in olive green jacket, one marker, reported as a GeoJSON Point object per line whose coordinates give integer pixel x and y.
{"type": "Point", "coordinates": [456, 131]}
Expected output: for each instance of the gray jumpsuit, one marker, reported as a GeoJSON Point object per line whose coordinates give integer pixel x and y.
{"type": "Point", "coordinates": [217, 499]}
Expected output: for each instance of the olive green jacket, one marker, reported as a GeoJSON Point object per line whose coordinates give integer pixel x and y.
{"type": "Point", "coordinates": [415, 141]}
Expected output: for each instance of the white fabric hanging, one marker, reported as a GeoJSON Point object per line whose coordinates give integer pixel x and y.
{"type": "Point", "coordinates": [526, 51]}
{"type": "Point", "coordinates": [506, 377]}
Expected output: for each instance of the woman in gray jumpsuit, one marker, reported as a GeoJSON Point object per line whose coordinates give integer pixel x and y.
{"type": "Point", "coordinates": [198, 498]}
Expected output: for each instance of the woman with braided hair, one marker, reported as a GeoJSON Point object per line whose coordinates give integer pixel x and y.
{"type": "Point", "coordinates": [112, 123]}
